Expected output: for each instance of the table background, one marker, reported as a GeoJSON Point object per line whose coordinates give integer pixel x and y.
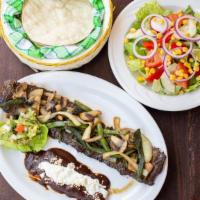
{"type": "Point", "coordinates": [181, 130]}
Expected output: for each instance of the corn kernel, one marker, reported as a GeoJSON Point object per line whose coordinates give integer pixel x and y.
{"type": "Point", "coordinates": [196, 64]}
{"type": "Point", "coordinates": [179, 44]}
{"type": "Point", "coordinates": [196, 69]}
{"type": "Point", "coordinates": [131, 57]}
{"type": "Point", "coordinates": [162, 52]}
{"type": "Point", "coordinates": [173, 37]}
{"type": "Point", "coordinates": [132, 30]}
{"type": "Point", "coordinates": [185, 22]}
{"type": "Point", "coordinates": [169, 58]}
{"type": "Point", "coordinates": [190, 71]}
{"type": "Point", "coordinates": [182, 60]}
{"type": "Point", "coordinates": [140, 79]}
{"type": "Point", "coordinates": [159, 35]}
{"type": "Point", "coordinates": [185, 75]}
{"type": "Point", "coordinates": [154, 32]}
{"type": "Point", "coordinates": [152, 71]}
{"type": "Point", "coordinates": [172, 77]}
{"type": "Point", "coordinates": [169, 63]}
{"type": "Point", "coordinates": [185, 49]}
{"type": "Point", "coordinates": [126, 40]}
{"type": "Point", "coordinates": [180, 13]}
{"type": "Point", "coordinates": [198, 78]}
{"type": "Point", "coordinates": [191, 60]}
{"type": "Point", "coordinates": [187, 34]}
{"type": "Point", "coordinates": [180, 78]}
{"type": "Point", "coordinates": [181, 92]}
{"type": "Point", "coordinates": [177, 52]}
{"type": "Point", "coordinates": [147, 69]}
{"type": "Point", "coordinates": [187, 64]}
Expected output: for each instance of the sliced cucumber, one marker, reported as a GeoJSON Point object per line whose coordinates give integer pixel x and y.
{"type": "Point", "coordinates": [169, 87]}
{"type": "Point", "coordinates": [157, 86]}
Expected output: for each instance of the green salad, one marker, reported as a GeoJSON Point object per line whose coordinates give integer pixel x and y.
{"type": "Point", "coordinates": [162, 49]}
{"type": "Point", "coordinates": [25, 134]}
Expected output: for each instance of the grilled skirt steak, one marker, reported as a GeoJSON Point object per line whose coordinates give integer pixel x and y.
{"type": "Point", "coordinates": [18, 97]}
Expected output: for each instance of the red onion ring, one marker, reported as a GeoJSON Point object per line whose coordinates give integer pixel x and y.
{"type": "Point", "coordinates": [168, 74]}
{"type": "Point", "coordinates": [152, 53]}
{"type": "Point", "coordinates": [143, 28]}
{"type": "Point", "coordinates": [180, 33]}
{"type": "Point", "coordinates": [170, 53]}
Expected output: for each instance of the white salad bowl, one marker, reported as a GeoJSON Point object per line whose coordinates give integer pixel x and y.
{"type": "Point", "coordinates": [124, 76]}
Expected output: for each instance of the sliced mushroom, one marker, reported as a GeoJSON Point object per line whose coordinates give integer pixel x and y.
{"type": "Point", "coordinates": [123, 147]}
{"type": "Point", "coordinates": [117, 141]}
{"type": "Point", "coordinates": [35, 93]}
{"type": "Point", "coordinates": [64, 102]}
{"type": "Point", "coordinates": [58, 107]}
{"type": "Point", "coordinates": [50, 105]}
{"type": "Point", "coordinates": [60, 117]}
{"type": "Point", "coordinates": [94, 139]}
{"type": "Point", "coordinates": [116, 122]}
{"type": "Point", "coordinates": [147, 149]}
{"type": "Point", "coordinates": [43, 102]}
{"type": "Point", "coordinates": [133, 166]}
{"type": "Point", "coordinates": [90, 116]}
{"type": "Point", "coordinates": [43, 111]}
{"type": "Point", "coordinates": [96, 121]}
{"type": "Point", "coordinates": [87, 132]}
{"type": "Point", "coordinates": [21, 91]}
{"type": "Point", "coordinates": [130, 161]}
{"type": "Point", "coordinates": [50, 95]}
{"type": "Point", "coordinates": [44, 118]}
{"type": "Point", "coordinates": [147, 169]}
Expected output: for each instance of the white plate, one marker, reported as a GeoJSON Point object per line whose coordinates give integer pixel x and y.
{"type": "Point", "coordinates": [122, 73]}
{"type": "Point", "coordinates": [113, 102]}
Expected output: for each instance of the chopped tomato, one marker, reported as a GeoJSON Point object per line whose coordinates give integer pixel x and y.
{"type": "Point", "coordinates": [148, 45]}
{"type": "Point", "coordinates": [155, 61]}
{"type": "Point", "coordinates": [156, 75]}
{"type": "Point", "coordinates": [174, 45]}
{"type": "Point", "coordinates": [173, 17]}
{"type": "Point", "coordinates": [197, 73]}
{"type": "Point", "coordinates": [183, 84]}
{"type": "Point", "coordinates": [20, 128]}
{"type": "Point", "coordinates": [159, 42]}
{"type": "Point", "coordinates": [182, 66]}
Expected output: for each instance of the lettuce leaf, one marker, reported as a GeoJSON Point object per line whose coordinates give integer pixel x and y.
{"type": "Point", "coordinates": [189, 11]}
{"type": "Point", "coordinates": [135, 65]}
{"type": "Point", "coordinates": [128, 48]}
{"type": "Point", "coordinates": [193, 87]}
{"type": "Point", "coordinates": [152, 7]}
{"type": "Point", "coordinates": [36, 144]}
{"type": "Point", "coordinates": [31, 140]}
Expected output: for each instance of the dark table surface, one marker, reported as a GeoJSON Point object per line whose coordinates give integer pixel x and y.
{"type": "Point", "coordinates": [181, 130]}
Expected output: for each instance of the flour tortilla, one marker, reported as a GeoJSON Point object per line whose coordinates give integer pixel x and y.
{"type": "Point", "coordinates": [57, 22]}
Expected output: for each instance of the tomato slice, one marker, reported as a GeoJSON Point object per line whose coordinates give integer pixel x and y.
{"type": "Point", "coordinates": [174, 45]}
{"type": "Point", "coordinates": [156, 75]}
{"type": "Point", "coordinates": [155, 61]}
{"type": "Point", "coordinates": [197, 73]}
{"type": "Point", "coordinates": [183, 84]}
{"type": "Point", "coordinates": [20, 128]}
{"type": "Point", "coordinates": [173, 17]}
{"type": "Point", "coordinates": [148, 45]}
{"type": "Point", "coordinates": [159, 41]}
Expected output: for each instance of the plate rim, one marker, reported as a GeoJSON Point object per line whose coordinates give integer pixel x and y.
{"type": "Point", "coordinates": [21, 191]}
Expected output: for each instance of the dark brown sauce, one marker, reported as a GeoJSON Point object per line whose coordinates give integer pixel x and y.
{"type": "Point", "coordinates": [32, 160]}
